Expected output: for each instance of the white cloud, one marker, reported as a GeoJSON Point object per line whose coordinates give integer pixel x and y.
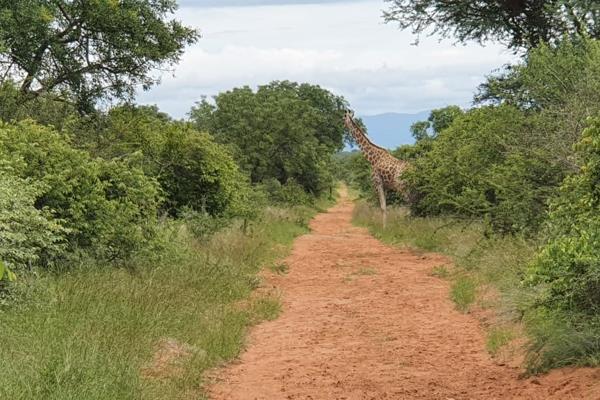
{"type": "Point", "coordinates": [343, 46]}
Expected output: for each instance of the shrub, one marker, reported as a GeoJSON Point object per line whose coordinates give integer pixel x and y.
{"type": "Point", "coordinates": [567, 269]}
{"type": "Point", "coordinates": [27, 235]}
{"type": "Point", "coordinates": [193, 170]}
{"type": "Point", "coordinates": [488, 164]}
{"type": "Point", "coordinates": [291, 193]}
{"type": "Point", "coordinates": [108, 208]}
{"type": "Point", "coordinates": [565, 274]}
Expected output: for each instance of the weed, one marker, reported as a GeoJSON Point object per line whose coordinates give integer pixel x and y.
{"type": "Point", "coordinates": [497, 338]}
{"type": "Point", "coordinates": [279, 268]}
{"type": "Point", "coordinates": [463, 292]}
{"type": "Point", "coordinates": [440, 271]}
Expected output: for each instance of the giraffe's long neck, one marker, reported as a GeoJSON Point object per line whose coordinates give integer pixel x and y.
{"type": "Point", "coordinates": [368, 148]}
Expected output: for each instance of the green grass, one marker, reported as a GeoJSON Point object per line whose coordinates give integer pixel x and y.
{"type": "Point", "coordinates": [279, 268]}
{"type": "Point", "coordinates": [440, 271]}
{"type": "Point", "coordinates": [463, 292]}
{"type": "Point", "coordinates": [88, 333]}
{"type": "Point", "coordinates": [497, 338]}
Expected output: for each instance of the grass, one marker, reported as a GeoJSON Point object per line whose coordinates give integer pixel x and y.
{"type": "Point", "coordinates": [279, 268]}
{"type": "Point", "coordinates": [440, 271]}
{"type": "Point", "coordinates": [88, 334]}
{"type": "Point", "coordinates": [497, 338]}
{"type": "Point", "coordinates": [463, 292]}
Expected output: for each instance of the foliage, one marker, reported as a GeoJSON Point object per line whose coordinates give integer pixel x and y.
{"type": "Point", "coordinates": [488, 164]}
{"type": "Point", "coordinates": [284, 131]}
{"type": "Point", "coordinates": [28, 236]}
{"type": "Point", "coordinates": [92, 333]}
{"type": "Point", "coordinates": [192, 169]}
{"type": "Point", "coordinates": [291, 193]}
{"type": "Point", "coordinates": [561, 83]}
{"type": "Point", "coordinates": [45, 110]}
{"type": "Point", "coordinates": [201, 224]}
{"type": "Point", "coordinates": [439, 119]}
{"type": "Point", "coordinates": [88, 49]}
{"type": "Point", "coordinates": [518, 24]}
{"type": "Point", "coordinates": [108, 208]}
{"type": "Point", "coordinates": [566, 271]}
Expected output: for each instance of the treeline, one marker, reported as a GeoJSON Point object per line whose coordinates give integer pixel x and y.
{"type": "Point", "coordinates": [98, 184]}
{"type": "Point", "coordinates": [524, 163]}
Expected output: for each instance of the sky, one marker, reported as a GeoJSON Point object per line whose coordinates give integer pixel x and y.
{"type": "Point", "coordinates": [342, 45]}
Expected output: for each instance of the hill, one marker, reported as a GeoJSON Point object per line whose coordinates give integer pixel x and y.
{"type": "Point", "coordinates": [392, 129]}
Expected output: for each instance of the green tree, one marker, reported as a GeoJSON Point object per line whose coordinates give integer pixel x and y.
{"type": "Point", "coordinates": [442, 118]}
{"type": "Point", "coordinates": [106, 208]}
{"type": "Point", "coordinates": [517, 23]}
{"type": "Point", "coordinates": [439, 119]}
{"type": "Point", "coordinates": [284, 130]}
{"type": "Point", "coordinates": [192, 169]}
{"type": "Point", "coordinates": [490, 163]}
{"type": "Point", "coordinates": [420, 130]}
{"type": "Point", "coordinates": [88, 49]}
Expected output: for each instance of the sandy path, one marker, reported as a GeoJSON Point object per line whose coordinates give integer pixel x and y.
{"type": "Point", "coordinates": [362, 320]}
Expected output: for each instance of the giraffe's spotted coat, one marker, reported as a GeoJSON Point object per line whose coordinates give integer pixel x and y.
{"type": "Point", "coordinates": [386, 170]}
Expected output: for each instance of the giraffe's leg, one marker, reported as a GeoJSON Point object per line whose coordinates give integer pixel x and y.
{"type": "Point", "coordinates": [381, 193]}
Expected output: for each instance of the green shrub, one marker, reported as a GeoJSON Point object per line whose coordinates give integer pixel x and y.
{"type": "Point", "coordinates": [565, 274]}
{"type": "Point", "coordinates": [27, 235]}
{"type": "Point", "coordinates": [487, 164]}
{"type": "Point", "coordinates": [201, 224]}
{"type": "Point", "coordinates": [567, 269]}
{"type": "Point", "coordinates": [192, 169]}
{"type": "Point", "coordinates": [290, 193]}
{"type": "Point", "coordinates": [107, 208]}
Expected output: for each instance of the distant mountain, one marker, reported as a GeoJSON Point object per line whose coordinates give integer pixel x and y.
{"type": "Point", "coordinates": [391, 130]}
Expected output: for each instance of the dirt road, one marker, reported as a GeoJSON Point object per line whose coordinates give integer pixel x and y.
{"type": "Point", "coordinates": [362, 320]}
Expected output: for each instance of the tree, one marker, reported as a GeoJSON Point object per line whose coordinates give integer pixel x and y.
{"type": "Point", "coordinates": [193, 171]}
{"type": "Point", "coordinates": [85, 50]}
{"type": "Point", "coordinates": [439, 119]}
{"type": "Point", "coordinates": [420, 130]}
{"type": "Point", "coordinates": [491, 163]}
{"type": "Point", "coordinates": [520, 24]}
{"type": "Point", "coordinates": [284, 130]}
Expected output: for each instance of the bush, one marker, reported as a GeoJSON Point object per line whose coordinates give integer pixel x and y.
{"type": "Point", "coordinates": [201, 224]}
{"type": "Point", "coordinates": [108, 208]}
{"type": "Point", "coordinates": [28, 236]}
{"type": "Point", "coordinates": [567, 269]}
{"type": "Point", "coordinates": [565, 274]}
{"type": "Point", "coordinates": [291, 193]}
{"type": "Point", "coordinates": [487, 164]}
{"type": "Point", "coordinates": [193, 170]}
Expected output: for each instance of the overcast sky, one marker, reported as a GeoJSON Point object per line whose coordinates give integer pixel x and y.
{"type": "Point", "coordinates": [342, 45]}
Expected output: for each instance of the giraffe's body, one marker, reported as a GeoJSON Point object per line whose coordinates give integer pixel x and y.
{"type": "Point", "coordinates": [386, 170]}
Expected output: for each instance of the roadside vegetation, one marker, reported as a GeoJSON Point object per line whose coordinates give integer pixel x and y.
{"type": "Point", "coordinates": [509, 190]}
{"type": "Point", "coordinates": [131, 243]}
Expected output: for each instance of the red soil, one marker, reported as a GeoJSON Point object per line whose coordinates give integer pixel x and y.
{"type": "Point", "coordinates": [362, 320]}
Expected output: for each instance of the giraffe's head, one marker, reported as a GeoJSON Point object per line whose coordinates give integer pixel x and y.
{"type": "Point", "coordinates": [348, 118]}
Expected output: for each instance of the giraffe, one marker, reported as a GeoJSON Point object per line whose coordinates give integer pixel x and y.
{"type": "Point", "coordinates": [386, 170]}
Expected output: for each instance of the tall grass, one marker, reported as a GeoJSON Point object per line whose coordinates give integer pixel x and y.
{"type": "Point", "coordinates": [97, 332]}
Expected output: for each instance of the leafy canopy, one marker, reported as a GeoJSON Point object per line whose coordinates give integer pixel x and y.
{"type": "Point", "coordinates": [192, 169]}
{"type": "Point", "coordinates": [284, 131]}
{"type": "Point", "coordinates": [88, 49]}
{"type": "Point", "coordinates": [520, 24]}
